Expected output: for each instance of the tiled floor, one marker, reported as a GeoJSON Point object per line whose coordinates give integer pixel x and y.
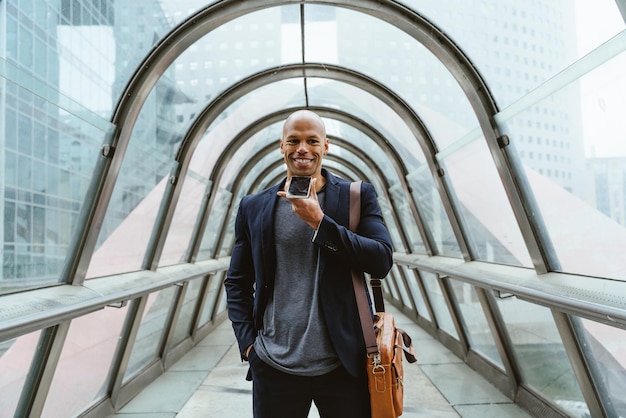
{"type": "Point", "coordinates": [210, 382]}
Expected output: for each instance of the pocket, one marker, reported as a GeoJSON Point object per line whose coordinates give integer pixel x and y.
{"type": "Point", "coordinates": [251, 354]}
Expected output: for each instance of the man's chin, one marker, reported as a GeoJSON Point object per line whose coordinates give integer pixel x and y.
{"type": "Point", "coordinates": [302, 171]}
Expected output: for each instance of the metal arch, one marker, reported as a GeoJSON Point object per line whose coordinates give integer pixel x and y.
{"type": "Point", "coordinates": [404, 111]}
{"type": "Point", "coordinates": [216, 107]}
{"type": "Point", "coordinates": [242, 173]}
{"type": "Point", "coordinates": [248, 166]}
{"type": "Point", "coordinates": [621, 5]}
{"type": "Point", "coordinates": [220, 12]}
{"type": "Point", "coordinates": [172, 45]}
{"type": "Point", "coordinates": [257, 126]}
{"type": "Point", "coordinates": [311, 70]}
{"type": "Point", "coordinates": [363, 126]}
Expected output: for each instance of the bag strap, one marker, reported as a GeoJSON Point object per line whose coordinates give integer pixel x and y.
{"type": "Point", "coordinates": [367, 324]}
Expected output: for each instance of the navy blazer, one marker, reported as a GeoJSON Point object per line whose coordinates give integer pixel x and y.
{"type": "Point", "coordinates": [250, 277]}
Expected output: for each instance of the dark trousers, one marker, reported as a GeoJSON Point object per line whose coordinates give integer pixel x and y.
{"type": "Point", "coordinates": [281, 395]}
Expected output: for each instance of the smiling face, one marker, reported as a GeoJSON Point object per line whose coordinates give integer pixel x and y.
{"type": "Point", "coordinates": [304, 144]}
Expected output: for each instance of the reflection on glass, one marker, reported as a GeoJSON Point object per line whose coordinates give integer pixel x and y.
{"type": "Point", "coordinates": [407, 220]}
{"type": "Point", "coordinates": [232, 52]}
{"type": "Point", "coordinates": [438, 303]}
{"type": "Point", "coordinates": [81, 375]}
{"type": "Point", "coordinates": [393, 227]}
{"type": "Point", "coordinates": [16, 356]}
{"type": "Point", "coordinates": [221, 305]}
{"type": "Point", "coordinates": [431, 208]}
{"type": "Point", "coordinates": [478, 332]}
{"type": "Point", "coordinates": [184, 220]}
{"type": "Point", "coordinates": [385, 53]}
{"type": "Point", "coordinates": [47, 158]}
{"type": "Point", "coordinates": [215, 224]}
{"type": "Point", "coordinates": [543, 362]}
{"type": "Point", "coordinates": [416, 293]}
{"type": "Point", "coordinates": [396, 273]}
{"type": "Point", "coordinates": [364, 105]}
{"type": "Point", "coordinates": [606, 347]}
{"type": "Point", "coordinates": [139, 188]}
{"type": "Point", "coordinates": [577, 169]}
{"type": "Point", "coordinates": [534, 42]}
{"type": "Point", "coordinates": [484, 206]}
{"type": "Point", "coordinates": [150, 335]}
{"type": "Point", "coordinates": [390, 287]}
{"type": "Point", "coordinates": [182, 328]}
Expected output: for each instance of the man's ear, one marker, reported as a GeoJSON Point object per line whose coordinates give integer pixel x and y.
{"type": "Point", "coordinates": [281, 145]}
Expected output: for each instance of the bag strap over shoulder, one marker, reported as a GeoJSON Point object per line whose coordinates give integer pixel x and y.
{"type": "Point", "coordinates": [367, 323]}
{"type": "Point", "coordinates": [359, 285]}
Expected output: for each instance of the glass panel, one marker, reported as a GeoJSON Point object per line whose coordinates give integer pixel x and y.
{"type": "Point", "coordinates": [404, 296]}
{"type": "Point", "coordinates": [533, 42]}
{"type": "Point", "coordinates": [438, 303]}
{"type": "Point", "coordinates": [341, 133]}
{"type": "Point", "coordinates": [184, 220]}
{"type": "Point", "coordinates": [577, 169]}
{"type": "Point", "coordinates": [543, 362]}
{"type": "Point", "coordinates": [412, 278]}
{"type": "Point", "coordinates": [137, 27]}
{"type": "Point", "coordinates": [495, 234]}
{"type": "Point", "coordinates": [363, 105]}
{"type": "Point", "coordinates": [139, 189]}
{"type": "Point", "coordinates": [232, 52]}
{"type": "Point", "coordinates": [215, 225]}
{"type": "Point", "coordinates": [477, 329]}
{"type": "Point", "coordinates": [221, 307]}
{"type": "Point", "coordinates": [249, 109]}
{"type": "Point", "coordinates": [390, 56]}
{"type": "Point", "coordinates": [177, 11]}
{"type": "Point", "coordinates": [390, 286]}
{"type": "Point", "coordinates": [150, 335]}
{"type": "Point", "coordinates": [182, 328]}
{"type": "Point", "coordinates": [607, 349]}
{"type": "Point", "coordinates": [427, 198]}
{"type": "Point", "coordinates": [81, 375]}
{"type": "Point", "coordinates": [393, 228]}
{"type": "Point", "coordinates": [49, 157]}
{"type": "Point", "coordinates": [406, 219]}
{"type": "Point", "coordinates": [16, 356]}
{"type": "Point", "coordinates": [71, 59]}
{"type": "Point", "coordinates": [215, 286]}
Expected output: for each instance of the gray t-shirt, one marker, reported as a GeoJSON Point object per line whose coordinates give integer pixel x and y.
{"type": "Point", "coordinates": [294, 338]}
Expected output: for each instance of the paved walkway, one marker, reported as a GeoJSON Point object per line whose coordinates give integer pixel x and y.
{"type": "Point", "coordinates": [210, 382]}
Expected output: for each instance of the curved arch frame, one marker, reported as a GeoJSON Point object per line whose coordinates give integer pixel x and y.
{"type": "Point", "coordinates": [155, 64]}
{"type": "Point", "coordinates": [280, 116]}
{"type": "Point", "coordinates": [216, 107]}
{"type": "Point", "coordinates": [207, 19]}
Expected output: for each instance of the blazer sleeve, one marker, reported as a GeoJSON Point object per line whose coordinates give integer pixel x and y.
{"type": "Point", "coordinates": [239, 283]}
{"type": "Point", "coordinates": [369, 249]}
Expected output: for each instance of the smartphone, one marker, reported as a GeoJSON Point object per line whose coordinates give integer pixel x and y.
{"type": "Point", "coordinates": [299, 187]}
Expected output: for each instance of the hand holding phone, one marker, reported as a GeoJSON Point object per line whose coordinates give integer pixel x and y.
{"type": "Point", "coordinates": [299, 187]}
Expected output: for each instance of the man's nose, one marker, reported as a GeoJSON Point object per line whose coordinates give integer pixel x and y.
{"type": "Point", "coordinates": [302, 148]}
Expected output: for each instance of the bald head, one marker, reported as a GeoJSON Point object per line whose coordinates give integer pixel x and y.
{"type": "Point", "coordinates": [308, 116]}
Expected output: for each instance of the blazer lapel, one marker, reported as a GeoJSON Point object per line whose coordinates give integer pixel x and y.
{"type": "Point", "coordinates": [332, 200]}
{"type": "Point", "coordinates": [267, 224]}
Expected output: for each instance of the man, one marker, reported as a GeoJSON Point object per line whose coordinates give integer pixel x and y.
{"type": "Point", "coordinates": [289, 287]}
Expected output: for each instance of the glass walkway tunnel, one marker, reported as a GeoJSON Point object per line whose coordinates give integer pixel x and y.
{"type": "Point", "coordinates": [492, 130]}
